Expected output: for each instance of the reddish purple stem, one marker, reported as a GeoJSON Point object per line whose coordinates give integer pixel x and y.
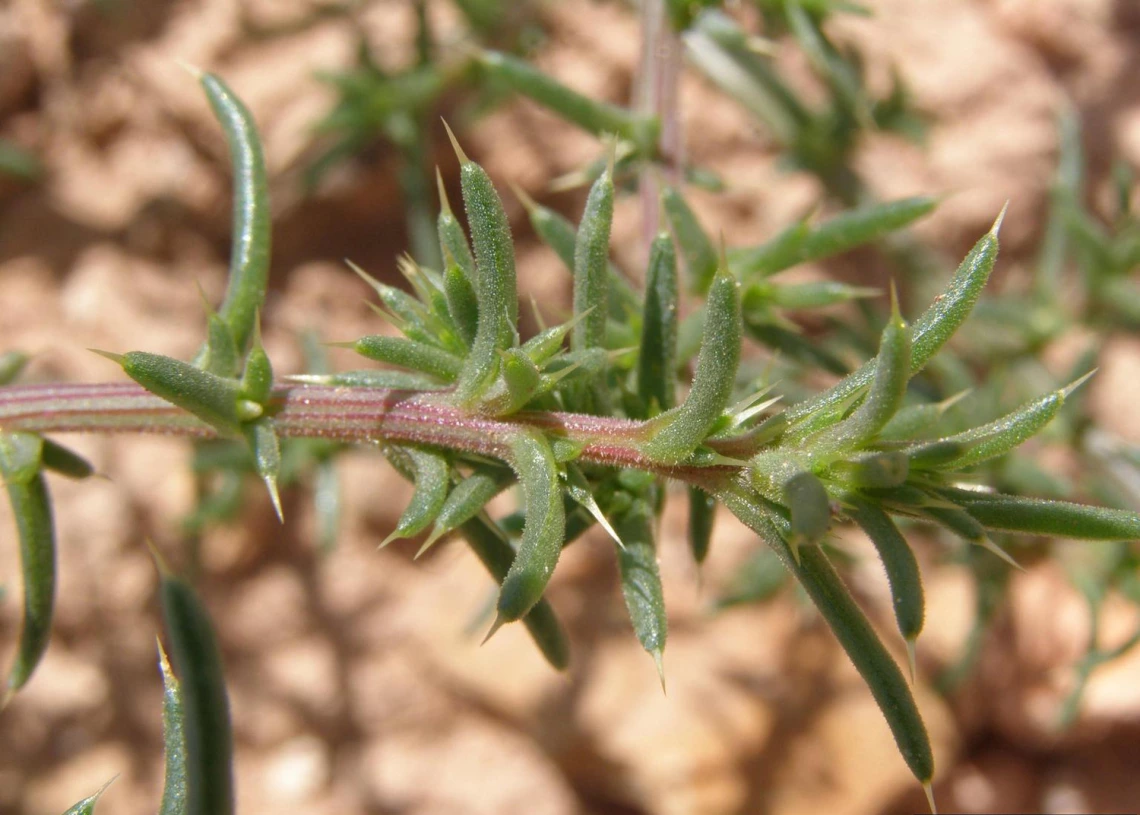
{"type": "Point", "coordinates": [346, 414]}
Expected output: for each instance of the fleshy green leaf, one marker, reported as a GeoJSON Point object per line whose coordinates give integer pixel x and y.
{"type": "Point", "coordinates": [249, 259]}
{"type": "Point", "coordinates": [174, 742]}
{"type": "Point", "coordinates": [20, 455]}
{"type": "Point", "coordinates": [677, 433]}
{"type": "Point", "coordinates": [930, 331]}
{"type": "Point", "coordinates": [641, 579]}
{"type": "Point", "coordinates": [205, 704]}
{"type": "Point", "coordinates": [1035, 516]}
{"type": "Point", "coordinates": [432, 475]}
{"type": "Point", "coordinates": [541, 544]}
{"type": "Point", "coordinates": [496, 290]}
{"type": "Point", "coordinates": [657, 355]}
{"type": "Point", "coordinates": [902, 570]}
{"type": "Point", "coordinates": [591, 262]}
{"type": "Point", "coordinates": [407, 353]}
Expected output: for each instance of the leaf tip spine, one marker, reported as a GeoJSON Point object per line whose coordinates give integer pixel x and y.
{"type": "Point", "coordinates": [950, 401]}
{"type": "Point", "coordinates": [435, 535]}
{"type": "Point", "coordinates": [270, 480]}
{"type": "Point", "coordinates": [794, 548]}
{"type": "Point", "coordinates": [986, 543]}
{"type": "Point", "coordinates": [455, 143]}
{"type": "Point", "coordinates": [929, 790]}
{"type": "Point", "coordinates": [394, 535]}
{"type": "Point", "coordinates": [163, 659]}
{"type": "Point", "coordinates": [444, 203]}
{"type": "Point", "coordinates": [659, 661]}
{"type": "Point", "coordinates": [118, 359]}
{"type": "Point", "coordinates": [191, 69]}
{"type": "Point", "coordinates": [896, 313]}
{"type": "Point", "coordinates": [911, 659]}
{"type": "Point", "coordinates": [375, 284]}
{"type": "Point", "coordinates": [996, 228]}
{"type": "Point", "coordinates": [207, 307]}
{"type": "Point", "coordinates": [529, 204]}
{"type": "Point", "coordinates": [500, 621]}
{"type": "Point", "coordinates": [159, 561]}
{"type": "Point", "coordinates": [1076, 383]}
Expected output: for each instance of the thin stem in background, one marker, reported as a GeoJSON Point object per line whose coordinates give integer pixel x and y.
{"type": "Point", "coordinates": [657, 96]}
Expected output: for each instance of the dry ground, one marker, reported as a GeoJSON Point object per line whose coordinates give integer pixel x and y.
{"type": "Point", "coordinates": [357, 685]}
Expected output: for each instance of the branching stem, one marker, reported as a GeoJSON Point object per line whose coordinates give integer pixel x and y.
{"type": "Point", "coordinates": [340, 413]}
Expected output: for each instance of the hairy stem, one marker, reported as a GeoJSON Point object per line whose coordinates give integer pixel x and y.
{"type": "Point", "coordinates": [344, 414]}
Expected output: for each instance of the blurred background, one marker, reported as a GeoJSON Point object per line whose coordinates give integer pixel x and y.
{"type": "Point", "coordinates": [356, 677]}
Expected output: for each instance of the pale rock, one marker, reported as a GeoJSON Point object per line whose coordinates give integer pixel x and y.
{"type": "Point", "coordinates": [270, 610]}
{"type": "Point", "coordinates": [1115, 391]}
{"type": "Point", "coordinates": [305, 671]}
{"type": "Point", "coordinates": [297, 770]}
{"type": "Point", "coordinates": [469, 765]}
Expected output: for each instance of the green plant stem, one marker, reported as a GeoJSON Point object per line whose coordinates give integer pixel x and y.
{"type": "Point", "coordinates": [342, 414]}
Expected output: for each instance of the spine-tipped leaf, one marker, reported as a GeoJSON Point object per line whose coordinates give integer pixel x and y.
{"type": "Point", "coordinates": [534, 463]}
{"type": "Point", "coordinates": [678, 432]}
{"type": "Point", "coordinates": [495, 552]}
{"type": "Point", "coordinates": [1035, 516]}
{"type": "Point", "coordinates": [432, 476]}
{"type": "Point", "coordinates": [261, 436]}
{"type": "Point", "coordinates": [88, 804]}
{"type": "Point", "coordinates": [466, 500]}
{"type": "Point", "coordinates": [462, 303]}
{"type": "Point", "coordinates": [852, 629]}
{"type": "Point", "coordinates": [884, 398]}
{"type": "Point", "coordinates": [452, 240]}
{"type": "Point", "coordinates": [406, 353]}
{"type": "Point", "coordinates": [900, 564]}
{"type": "Point", "coordinates": [641, 579]}
{"type": "Point", "coordinates": [591, 265]}
{"type": "Point", "coordinates": [174, 742]}
{"type": "Point", "coordinates": [20, 458]}
{"type": "Point", "coordinates": [842, 233]}
{"type": "Point", "coordinates": [874, 663]}
{"type": "Point", "coordinates": [1000, 436]}
{"type": "Point", "coordinates": [249, 257]}
{"type": "Point", "coordinates": [496, 289]}
{"type": "Point", "coordinates": [205, 704]}
{"type": "Point", "coordinates": [930, 331]}
{"type": "Point", "coordinates": [257, 378]}
{"type": "Point", "coordinates": [215, 400]}
{"type": "Point", "coordinates": [657, 356]}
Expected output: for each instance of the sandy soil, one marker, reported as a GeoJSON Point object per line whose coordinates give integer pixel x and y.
{"type": "Point", "coordinates": [357, 683]}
